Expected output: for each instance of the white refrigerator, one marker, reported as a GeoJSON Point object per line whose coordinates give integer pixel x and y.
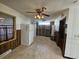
{"type": "Point", "coordinates": [27, 34]}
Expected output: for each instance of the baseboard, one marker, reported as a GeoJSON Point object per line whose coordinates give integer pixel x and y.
{"type": "Point", "coordinates": [68, 57]}
{"type": "Point", "coordinates": [6, 53]}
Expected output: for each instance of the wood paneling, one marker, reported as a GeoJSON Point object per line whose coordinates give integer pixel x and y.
{"type": "Point", "coordinates": [11, 44]}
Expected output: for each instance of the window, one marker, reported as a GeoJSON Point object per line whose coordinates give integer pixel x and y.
{"type": "Point", "coordinates": [6, 27]}
{"type": "Point", "coordinates": [6, 32]}
{"type": "Point", "coordinates": [44, 23]}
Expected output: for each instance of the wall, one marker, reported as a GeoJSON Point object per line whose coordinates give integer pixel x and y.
{"type": "Point", "coordinates": [72, 42]}
{"type": "Point", "coordinates": [8, 20]}
{"type": "Point", "coordinates": [59, 13]}
{"type": "Point", "coordinates": [19, 17]}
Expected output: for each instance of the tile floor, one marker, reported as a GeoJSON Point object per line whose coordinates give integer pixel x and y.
{"type": "Point", "coordinates": [42, 48]}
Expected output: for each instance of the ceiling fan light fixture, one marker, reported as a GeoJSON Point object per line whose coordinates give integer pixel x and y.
{"type": "Point", "coordinates": [39, 17]}
{"type": "Point", "coordinates": [35, 17]}
{"type": "Point", "coordinates": [42, 16]}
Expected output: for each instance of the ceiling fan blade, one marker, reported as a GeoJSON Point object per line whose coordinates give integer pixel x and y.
{"type": "Point", "coordinates": [30, 12]}
{"type": "Point", "coordinates": [45, 14]}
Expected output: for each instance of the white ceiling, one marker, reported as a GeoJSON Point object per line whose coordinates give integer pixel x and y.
{"type": "Point", "coordinates": [29, 5]}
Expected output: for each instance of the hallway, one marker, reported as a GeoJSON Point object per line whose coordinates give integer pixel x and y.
{"type": "Point", "coordinates": [42, 48]}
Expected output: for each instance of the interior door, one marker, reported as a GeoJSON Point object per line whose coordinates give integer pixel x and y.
{"type": "Point", "coordinates": [61, 39]}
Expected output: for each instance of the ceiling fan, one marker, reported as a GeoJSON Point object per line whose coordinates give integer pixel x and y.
{"type": "Point", "coordinates": [40, 13]}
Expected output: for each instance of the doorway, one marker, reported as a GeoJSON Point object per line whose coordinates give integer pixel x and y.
{"type": "Point", "coordinates": [60, 34]}
{"type": "Point", "coordinates": [43, 28]}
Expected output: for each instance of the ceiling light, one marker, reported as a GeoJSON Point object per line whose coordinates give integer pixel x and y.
{"type": "Point", "coordinates": [42, 16]}
{"type": "Point", "coordinates": [35, 17]}
{"type": "Point", "coordinates": [39, 17]}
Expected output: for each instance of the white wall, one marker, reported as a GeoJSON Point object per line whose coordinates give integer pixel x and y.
{"type": "Point", "coordinates": [19, 17]}
{"type": "Point", "coordinates": [7, 21]}
{"type": "Point", "coordinates": [72, 42]}
{"type": "Point", "coordinates": [69, 34]}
